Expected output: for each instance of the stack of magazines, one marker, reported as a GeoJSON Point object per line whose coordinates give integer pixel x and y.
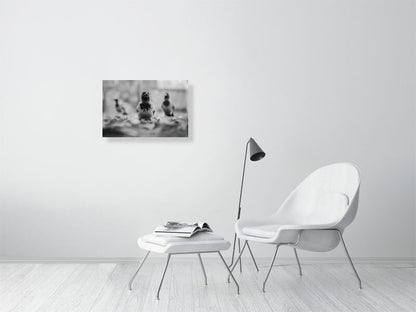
{"type": "Point", "coordinates": [181, 229]}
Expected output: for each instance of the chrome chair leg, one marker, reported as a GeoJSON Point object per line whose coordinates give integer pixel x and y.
{"type": "Point", "coordinates": [239, 250]}
{"type": "Point", "coordinates": [163, 276]}
{"type": "Point", "coordinates": [252, 257]}
{"type": "Point", "coordinates": [230, 273]}
{"type": "Point", "coordinates": [297, 259]}
{"type": "Point", "coordinates": [349, 259]}
{"type": "Point", "coordinates": [232, 257]}
{"type": "Point", "coordinates": [270, 269]}
{"type": "Point", "coordinates": [134, 275]}
{"type": "Point", "coordinates": [238, 259]}
{"type": "Point", "coordinates": [203, 269]}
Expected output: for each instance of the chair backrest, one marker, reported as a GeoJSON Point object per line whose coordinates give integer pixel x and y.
{"type": "Point", "coordinates": [328, 195]}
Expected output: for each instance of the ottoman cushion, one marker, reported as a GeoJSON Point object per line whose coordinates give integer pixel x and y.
{"type": "Point", "coordinates": [200, 242]}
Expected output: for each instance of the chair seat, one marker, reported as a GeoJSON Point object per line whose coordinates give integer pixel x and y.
{"type": "Point", "coordinates": [264, 231]}
{"type": "Point", "coordinates": [200, 242]}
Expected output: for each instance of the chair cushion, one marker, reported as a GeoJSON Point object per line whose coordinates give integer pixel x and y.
{"type": "Point", "coordinates": [328, 207]}
{"type": "Point", "coordinates": [265, 231]}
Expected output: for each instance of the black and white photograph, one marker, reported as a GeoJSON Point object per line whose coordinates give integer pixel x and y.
{"type": "Point", "coordinates": [145, 108]}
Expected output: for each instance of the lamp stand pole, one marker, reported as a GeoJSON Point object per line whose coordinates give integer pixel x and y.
{"type": "Point", "coordinates": [238, 217]}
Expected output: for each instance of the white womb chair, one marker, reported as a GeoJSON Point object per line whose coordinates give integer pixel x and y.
{"type": "Point", "coordinates": [312, 218]}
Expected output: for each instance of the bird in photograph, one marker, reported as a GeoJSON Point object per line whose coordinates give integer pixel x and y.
{"type": "Point", "coordinates": [145, 109]}
{"type": "Point", "coordinates": [167, 107]}
{"type": "Point", "coordinates": [120, 109]}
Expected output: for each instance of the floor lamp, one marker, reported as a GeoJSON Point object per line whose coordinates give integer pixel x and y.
{"type": "Point", "coordinates": [256, 153]}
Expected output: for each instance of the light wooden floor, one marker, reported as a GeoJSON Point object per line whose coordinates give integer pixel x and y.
{"type": "Point", "coordinates": [103, 287]}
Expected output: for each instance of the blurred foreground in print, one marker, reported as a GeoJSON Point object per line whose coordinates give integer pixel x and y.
{"type": "Point", "coordinates": [145, 108]}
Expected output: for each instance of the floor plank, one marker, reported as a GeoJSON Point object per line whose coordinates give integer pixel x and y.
{"type": "Point", "coordinates": [95, 287]}
{"type": "Point", "coordinates": [35, 291]}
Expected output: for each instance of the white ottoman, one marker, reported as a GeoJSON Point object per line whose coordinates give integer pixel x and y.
{"type": "Point", "coordinates": [199, 243]}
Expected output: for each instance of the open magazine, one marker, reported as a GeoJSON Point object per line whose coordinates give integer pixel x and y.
{"type": "Point", "coordinates": [181, 229]}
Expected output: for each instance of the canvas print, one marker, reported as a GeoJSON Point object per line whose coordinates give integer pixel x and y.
{"type": "Point", "coordinates": [145, 108]}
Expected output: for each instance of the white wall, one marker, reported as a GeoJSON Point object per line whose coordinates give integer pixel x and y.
{"type": "Point", "coordinates": [314, 82]}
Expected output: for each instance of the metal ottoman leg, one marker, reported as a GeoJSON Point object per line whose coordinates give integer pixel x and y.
{"type": "Point", "coordinates": [231, 273]}
{"type": "Point", "coordinates": [163, 276]}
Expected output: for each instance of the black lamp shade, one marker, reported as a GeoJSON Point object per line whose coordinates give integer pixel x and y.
{"type": "Point", "coordinates": [256, 153]}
